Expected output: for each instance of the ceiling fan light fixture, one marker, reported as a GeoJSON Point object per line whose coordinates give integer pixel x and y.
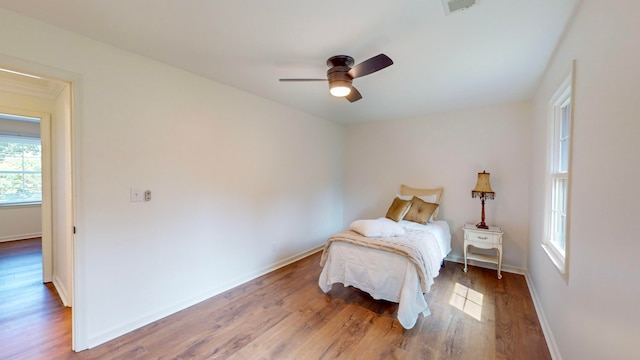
{"type": "Point", "coordinates": [341, 74]}
{"type": "Point", "coordinates": [340, 88]}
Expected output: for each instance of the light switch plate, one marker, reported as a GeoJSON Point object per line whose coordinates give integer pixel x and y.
{"type": "Point", "coordinates": [136, 195]}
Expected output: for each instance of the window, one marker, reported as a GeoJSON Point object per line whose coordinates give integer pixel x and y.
{"type": "Point", "coordinates": [559, 140]}
{"type": "Point", "coordinates": [20, 170]}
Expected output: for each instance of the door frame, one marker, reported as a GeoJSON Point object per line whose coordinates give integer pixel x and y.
{"type": "Point", "coordinates": [78, 325]}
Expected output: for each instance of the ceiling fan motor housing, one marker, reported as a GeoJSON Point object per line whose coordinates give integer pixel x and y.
{"type": "Point", "coordinates": [340, 60]}
{"type": "Point", "coordinates": [339, 66]}
{"type": "Point", "coordinates": [339, 76]}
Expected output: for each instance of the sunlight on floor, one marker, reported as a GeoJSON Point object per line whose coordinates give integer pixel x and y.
{"type": "Point", "coordinates": [467, 300]}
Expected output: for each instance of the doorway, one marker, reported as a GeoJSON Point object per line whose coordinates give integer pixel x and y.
{"type": "Point", "coordinates": [49, 100]}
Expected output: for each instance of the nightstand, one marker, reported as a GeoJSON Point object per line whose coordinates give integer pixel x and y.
{"type": "Point", "coordinates": [483, 239]}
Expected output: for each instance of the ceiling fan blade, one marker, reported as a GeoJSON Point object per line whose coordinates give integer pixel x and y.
{"type": "Point", "coordinates": [292, 80]}
{"type": "Point", "coordinates": [371, 65]}
{"type": "Point", "coordinates": [354, 95]}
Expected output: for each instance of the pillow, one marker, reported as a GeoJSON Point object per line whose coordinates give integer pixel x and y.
{"type": "Point", "coordinates": [407, 190]}
{"type": "Point", "coordinates": [381, 227]}
{"type": "Point", "coordinates": [430, 199]}
{"type": "Point", "coordinates": [398, 209]}
{"type": "Point", "coordinates": [420, 211]}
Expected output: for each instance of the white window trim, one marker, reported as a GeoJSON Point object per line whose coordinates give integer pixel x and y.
{"type": "Point", "coordinates": [565, 92]}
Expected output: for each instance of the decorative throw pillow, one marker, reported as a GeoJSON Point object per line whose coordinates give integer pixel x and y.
{"type": "Point", "coordinates": [420, 211]}
{"type": "Point", "coordinates": [407, 190]}
{"type": "Point", "coordinates": [398, 209]}
{"type": "Point", "coordinates": [430, 198]}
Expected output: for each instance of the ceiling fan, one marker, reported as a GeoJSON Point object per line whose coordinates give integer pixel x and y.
{"type": "Point", "coordinates": [341, 74]}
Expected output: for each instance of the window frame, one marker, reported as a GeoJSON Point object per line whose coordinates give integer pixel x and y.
{"type": "Point", "coordinates": [23, 138]}
{"type": "Point", "coordinates": [558, 170]}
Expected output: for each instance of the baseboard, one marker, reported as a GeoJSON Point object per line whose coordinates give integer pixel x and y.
{"type": "Point", "coordinates": [544, 324]}
{"type": "Point", "coordinates": [20, 237]}
{"type": "Point", "coordinates": [62, 291]}
{"type": "Point", "coordinates": [174, 308]}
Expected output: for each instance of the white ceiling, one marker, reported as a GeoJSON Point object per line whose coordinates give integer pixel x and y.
{"type": "Point", "coordinates": [492, 53]}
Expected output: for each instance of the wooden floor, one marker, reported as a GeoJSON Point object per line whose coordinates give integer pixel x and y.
{"type": "Point", "coordinates": [284, 315]}
{"type": "Point", "coordinates": [33, 321]}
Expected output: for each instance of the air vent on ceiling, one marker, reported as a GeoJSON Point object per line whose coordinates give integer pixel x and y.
{"type": "Point", "coordinates": [452, 6]}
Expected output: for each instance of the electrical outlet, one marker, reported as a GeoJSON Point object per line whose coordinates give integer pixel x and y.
{"type": "Point", "coordinates": [147, 195]}
{"type": "Point", "coordinates": [136, 195]}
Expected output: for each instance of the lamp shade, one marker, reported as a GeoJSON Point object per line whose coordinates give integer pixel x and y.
{"type": "Point", "coordinates": [483, 186]}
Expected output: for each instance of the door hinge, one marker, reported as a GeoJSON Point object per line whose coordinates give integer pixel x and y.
{"type": "Point", "coordinates": [74, 229]}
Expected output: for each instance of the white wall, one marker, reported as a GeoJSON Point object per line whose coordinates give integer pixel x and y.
{"type": "Point", "coordinates": [595, 314]}
{"type": "Point", "coordinates": [239, 184]}
{"type": "Point", "coordinates": [446, 150]}
{"type": "Point", "coordinates": [21, 222]}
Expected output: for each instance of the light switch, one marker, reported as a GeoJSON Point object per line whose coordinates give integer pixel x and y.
{"type": "Point", "coordinates": [136, 195]}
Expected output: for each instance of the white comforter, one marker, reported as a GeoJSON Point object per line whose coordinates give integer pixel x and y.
{"type": "Point", "coordinates": [385, 275]}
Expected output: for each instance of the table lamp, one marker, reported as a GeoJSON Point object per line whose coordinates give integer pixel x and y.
{"type": "Point", "coordinates": [483, 191]}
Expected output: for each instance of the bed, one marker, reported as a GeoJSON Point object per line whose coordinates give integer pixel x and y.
{"type": "Point", "coordinates": [395, 258]}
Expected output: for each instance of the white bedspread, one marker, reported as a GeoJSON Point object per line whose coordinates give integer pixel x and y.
{"type": "Point", "coordinates": [439, 228]}
{"type": "Point", "coordinates": [385, 275]}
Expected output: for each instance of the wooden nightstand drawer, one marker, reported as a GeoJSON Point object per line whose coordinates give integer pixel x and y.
{"type": "Point", "coordinates": [484, 237]}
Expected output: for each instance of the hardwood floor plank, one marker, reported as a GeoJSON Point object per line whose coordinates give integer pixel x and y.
{"type": "Point", "coordinates": [331, 339]}
{"type": "Point", "coordinates": [231, 338]}
{"type": "Point", "coordinates": [285, 315]}
{"type": "Point", "coordinates": [514, 339]}
{"type": "Point", "coordinates": [385, 330]}
{"type": "Point", "coordinates": [33, 322]}
{"type": "Point", "coordinates": [310, 311]}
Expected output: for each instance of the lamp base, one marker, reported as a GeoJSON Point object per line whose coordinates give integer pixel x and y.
{"type": "Point", "coordinates": [482, 225]}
